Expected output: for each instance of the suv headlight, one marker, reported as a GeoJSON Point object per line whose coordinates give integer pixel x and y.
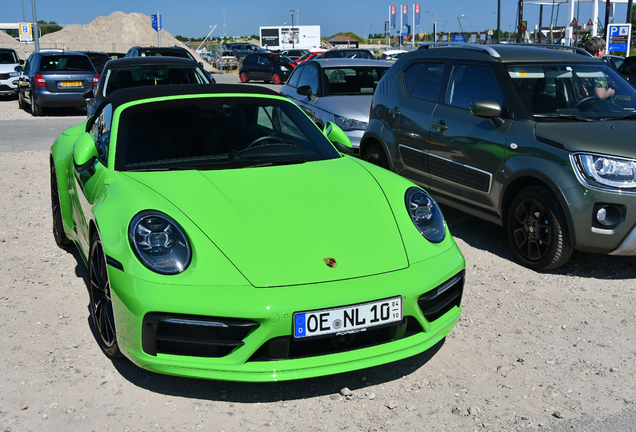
{"type": "Point", "coordinates": [425, 214]}
{"type": "Point", "coordinates": [605, 170]}
{"type": "Point", "coordinates": [349, 123]}
{"type": "Point", "coordinates": [14, 74]}
{"type": "Point", "coordinates": [159, 242]}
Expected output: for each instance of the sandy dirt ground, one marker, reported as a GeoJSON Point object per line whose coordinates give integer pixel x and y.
{"type": "Point", "coordinates": [532, 351]}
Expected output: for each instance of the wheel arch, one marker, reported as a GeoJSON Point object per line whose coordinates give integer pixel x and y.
{"type": "Point", "coordinates": [374, 135]}
{"type": "Point", "coordinates": [538, 177]}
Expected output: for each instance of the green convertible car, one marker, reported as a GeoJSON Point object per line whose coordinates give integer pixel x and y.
{"type": "Point", "coordinates": [227, 237]}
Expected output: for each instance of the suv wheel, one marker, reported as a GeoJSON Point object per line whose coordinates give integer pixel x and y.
{"type": "Point", "coordinates": [376, 156]}
{"type": "Point", "coordinates": [537, 231]}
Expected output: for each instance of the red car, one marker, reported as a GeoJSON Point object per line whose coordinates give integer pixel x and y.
{"type": "Point", "coordinates": [309, 56]}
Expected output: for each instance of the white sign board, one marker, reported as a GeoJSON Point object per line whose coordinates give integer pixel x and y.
{"type": "Point", "coordinates": [618, 38]}
{"type": "Point", "coordinates": [26, 34]}
{"type": "Point", "coordinates": [288, 37]}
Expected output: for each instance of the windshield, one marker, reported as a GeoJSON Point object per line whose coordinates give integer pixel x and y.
{"type": "Point", "coordinates": [136, 76]}
{"type": "Point", "coordinates": [220, 132]}
{"type": "Point", "coordinates": [8, 57]}
{"type": "Point", "coordinates": [347, 81]}
{"type": "Point", "coordinates": [573, 91]}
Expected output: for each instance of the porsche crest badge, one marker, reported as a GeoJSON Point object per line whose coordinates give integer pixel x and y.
{"type": "Point", "coordinates": [331, 262]}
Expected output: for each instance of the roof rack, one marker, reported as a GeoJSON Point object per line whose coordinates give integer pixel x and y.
{"type": "Point", "coordinates": [576, 50]}
{"type": "Point", "coordinates": [476, 47]}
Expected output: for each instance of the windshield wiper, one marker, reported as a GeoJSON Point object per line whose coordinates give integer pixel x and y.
{"type": "Point", "coordinates": [563, 116]}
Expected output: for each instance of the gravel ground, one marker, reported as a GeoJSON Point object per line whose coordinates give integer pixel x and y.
{"type": "Point", "coordinates": [532, 351]}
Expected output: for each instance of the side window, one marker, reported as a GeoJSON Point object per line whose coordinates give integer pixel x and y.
{"type": "Point", "coordinates": [310, 78]}
{"type": "Point", "coordinates": [469, 83]}
{"type": "Point", "coordinates": [427, 82]}
{"type": "Point", "coordinates": [409, 77]}
{"type": "Point", "coordinates": [100, 131]}
{"type": "Point", "coordinates": [293, 80]}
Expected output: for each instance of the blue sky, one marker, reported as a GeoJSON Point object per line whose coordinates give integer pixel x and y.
{"type": "Point", "coordinates": [193, 18]}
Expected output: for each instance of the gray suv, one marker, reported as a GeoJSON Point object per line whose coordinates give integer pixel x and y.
{"type": "Point", "coordinates": [517, 135]}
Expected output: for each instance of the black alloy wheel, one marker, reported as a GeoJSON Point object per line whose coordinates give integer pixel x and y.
{"type": "Point", "coordinates": [101, 302]}
{"type": "Point", "coordinates": [537, 230]}
{"type": "Point", "coordinates": [36, 110]}
{"type": "Point", "coordinates": [376, 156]}
{"type": "Point", "coordinates": [21, 102]}
{"type": "Point", "coordinates": [58, 227]}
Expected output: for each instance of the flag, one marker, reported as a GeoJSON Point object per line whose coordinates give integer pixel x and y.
{"type": "Point", "coordinates": [417, 15]}
{"type": "Point", "coordinates": [405, 15]}
{"type": "Point", "coordinates": [392, 16]}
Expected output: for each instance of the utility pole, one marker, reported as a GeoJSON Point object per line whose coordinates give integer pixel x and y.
{"type": "Point", "coordinates": [498, 21]}
{"type": "Point", "coordinates": [520, 20]}
{"type": "Point", "coordinates": [36, 36]}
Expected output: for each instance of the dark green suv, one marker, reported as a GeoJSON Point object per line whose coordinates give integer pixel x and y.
{"type": "Point", "coordinates": [540, 141]}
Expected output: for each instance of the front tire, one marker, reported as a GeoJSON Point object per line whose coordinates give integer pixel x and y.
{"type": "Point", "coordinates": [58, 226]}
{"type": "Point", "coordinates": [375, 155]}
{"type": "Point", "coordinates": [243, 77]}
{"type": "Point", "coordinates": [101, 303]}
{"type": "Point", "coordinates": [36, 110]}
{"type": "Point", "coordinates": [537, 231]}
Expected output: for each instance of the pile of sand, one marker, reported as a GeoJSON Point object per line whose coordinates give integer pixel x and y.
{"type": "Point", "coordinates": [116, 28]}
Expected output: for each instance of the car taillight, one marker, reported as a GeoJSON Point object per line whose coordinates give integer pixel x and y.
{"type": "Point", "coordinates": [95, 79]}
{"type": "Point", "coordinates": [39, 80]}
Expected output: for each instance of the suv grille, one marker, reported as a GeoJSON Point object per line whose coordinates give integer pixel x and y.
{"type": "Point", "coordinates": [193, 336]}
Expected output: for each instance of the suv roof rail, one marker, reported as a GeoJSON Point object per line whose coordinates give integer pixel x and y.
{"type": "Point", "coordinates": [576, 50]}
{"type": "Point", "coordinates": [490, 51]}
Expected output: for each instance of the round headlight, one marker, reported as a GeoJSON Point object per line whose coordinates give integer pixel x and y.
{"type": "Point", "coordinates": [425, 214]}
{"type": "Point", "coordinates": [159, 242]}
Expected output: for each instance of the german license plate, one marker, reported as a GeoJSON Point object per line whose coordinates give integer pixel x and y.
{"type": "Point", "coordinates": [69, 84]}
{"type": "Point", "coordinates": [347, 319]}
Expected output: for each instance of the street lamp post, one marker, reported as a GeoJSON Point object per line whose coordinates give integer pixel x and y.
{"type": "Point", "coordinates": [461, 29]}
{"type": "Point", "coordinates": [291, 31]}
{"type": "Point", "coordinates": [426, 23]}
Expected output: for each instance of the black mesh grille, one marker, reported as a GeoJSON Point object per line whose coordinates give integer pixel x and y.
{"type": "Point", "coordinates": [287, 347]}
{"type": "Point", "coordinates": [193, 335]}
{"type": "Point", "coordinates": [440, 300]}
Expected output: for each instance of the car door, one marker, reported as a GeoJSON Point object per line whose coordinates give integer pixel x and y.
{"type": "Point", "coordinates": [466, 152]}
{"type": "Point", "coordinates": [25, 80]}
{"type": "Point", "coordinates": [88, 181]}
{"type": "Point", "coordinates": [416, 96]}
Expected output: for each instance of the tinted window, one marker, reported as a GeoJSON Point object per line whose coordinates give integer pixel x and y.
{"type": "Point", "coordinates": [427, 82]}
{"type": "Point", "coordinates": [8, 57]}
{"type": "Point", "coordinates": [136, 76]}
{"type": "Point", "coordinates": [469, 83]}
{"type": "Point", "coordinates": [66, 63]}
{"type": "Point", "coordinates": [217, 133]}
{"type": "Point", "coordinates": [352, 80]}
{"type": "Point", "coordinates": [293, 80]}
{"type": "Point", "coordinates": [310, 78]}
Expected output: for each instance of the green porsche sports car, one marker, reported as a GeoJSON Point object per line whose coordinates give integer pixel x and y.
{"type": "Point", "coordinates": [228, 237]}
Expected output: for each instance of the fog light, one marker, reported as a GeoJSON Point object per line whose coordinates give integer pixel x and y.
{"type": "Point", "coordinates": [601, 215]}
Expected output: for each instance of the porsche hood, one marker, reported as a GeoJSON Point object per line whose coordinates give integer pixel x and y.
{"type": "Point", "coordinates": [290, 225]}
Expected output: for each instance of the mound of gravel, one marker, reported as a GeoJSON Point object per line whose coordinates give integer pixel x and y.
{"type": "Point", "coordinates": [117, 28]}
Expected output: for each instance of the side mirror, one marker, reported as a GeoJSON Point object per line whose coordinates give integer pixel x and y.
{"type": "Point", "coordinates": [89, 94]}
{"type": "Point", "coordinates": [18, 68]}
{"type": "Point", "coordinates": [21, 62]}
{"type": "Point", "coordinates": [489, 109]}
{"type": "Point", "coordinates": [304, 90]}
{"type": "Point", "coordinates": [84, 152]}
{"type": "Point", "coordinates": [338, 138]}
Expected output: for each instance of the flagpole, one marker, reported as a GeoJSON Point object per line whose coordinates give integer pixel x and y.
{"type": "Point", "coordinates": [401, 23]}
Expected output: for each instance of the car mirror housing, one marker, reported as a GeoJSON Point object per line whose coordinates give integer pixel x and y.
{"type": "Point", "coordinates": [304, 90]}
{"type": "Point", "coordinates": [338, 138]}
{"type": "Point", "coordinates": [489, 109]}
{"type": "Point", "coordinates": [89, 94]}
{"type": "Point", "coordinates": [84, 152]}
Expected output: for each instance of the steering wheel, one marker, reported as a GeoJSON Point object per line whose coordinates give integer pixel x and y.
{"type": "Point", "coordinates": [261, 140]}
{"type": "Point", "coordinates": [585, 99]}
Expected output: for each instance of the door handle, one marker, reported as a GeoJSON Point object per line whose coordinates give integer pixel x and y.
{"type": "Point", "coordinates": [441, 126]}
{"type": "Point", "coordinates": [395, 111]}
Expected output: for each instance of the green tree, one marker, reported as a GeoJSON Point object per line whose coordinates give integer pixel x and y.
{"type": "Point", "coordinates": [50, 27]}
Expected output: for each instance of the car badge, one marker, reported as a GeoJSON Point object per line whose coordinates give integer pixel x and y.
{"type": "Point", "coordinates": [331, 262]}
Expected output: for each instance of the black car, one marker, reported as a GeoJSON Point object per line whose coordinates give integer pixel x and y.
{"type": "Point", "coordinates": [243, 49]}
{"type": "Point", "coordinates": [173, 51]}
{"type": "Point", "coordinates": [294, 54]}
{"type": "Point", "coordinates": [358, 53]}
{"type": "Point", "coordinates": [116, 55]}
{"type": "Point", "coordinates": [55, 79]}
{"type": "Point", "coordinates": [143, 71]}
{"type": "Point", "coordinates": [98, 59]}
{"type": "Point", "coordinates": [266, 67]}
{"type": "Point", "coordinates": [517, 135]}
{"type": "Point", "coordinates": [628, 70]}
